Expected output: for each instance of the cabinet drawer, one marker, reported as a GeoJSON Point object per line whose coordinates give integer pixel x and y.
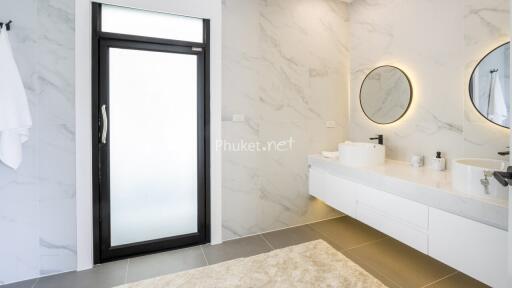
{"type": "Point", "coordinates": [471, 247]}
{"type": "Point", "coordinates": [334, 191]}
{"type": "Point", "coordinates": [404, 210]}
{"type": "Point", "coordinates": [399, 230]}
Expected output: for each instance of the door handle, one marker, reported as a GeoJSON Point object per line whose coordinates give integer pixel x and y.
{"type": "Point", "coordinates": [505, 178]}
{"type": "Point", "coordinates": [104, 130]}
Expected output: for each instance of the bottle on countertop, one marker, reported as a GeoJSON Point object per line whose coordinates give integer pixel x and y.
{"type": "Point", "coordinates": [417, 161]}
{"type": "Point", "coordinates": [439, 163]}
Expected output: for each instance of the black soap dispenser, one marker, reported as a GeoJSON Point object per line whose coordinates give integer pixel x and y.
{"type": "Point", "coordinates": [439, 163]}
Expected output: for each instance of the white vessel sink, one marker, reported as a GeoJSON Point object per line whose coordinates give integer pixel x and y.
{"type": "Point", "coordinates": [474, 176]}
{"type": "Point", "coordinates": [359, 154]}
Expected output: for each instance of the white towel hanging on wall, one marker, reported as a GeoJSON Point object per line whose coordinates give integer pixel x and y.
{"type": "Point", "coordinates": [15, 119]}
{"type": "Point", "coordinates": [497, 106]}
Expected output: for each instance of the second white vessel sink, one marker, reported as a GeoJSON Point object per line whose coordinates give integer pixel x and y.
{"type": "Point", "coordinates": [359, 154]}
{"type": "Point", "coordinates": [474, 176]}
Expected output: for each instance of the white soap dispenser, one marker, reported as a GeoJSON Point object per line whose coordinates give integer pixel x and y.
{"type": "Point", "coordinates": [438, 163]}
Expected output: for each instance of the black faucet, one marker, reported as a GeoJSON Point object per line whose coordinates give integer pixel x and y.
{"type": "Point", "coordinates": [504, 153]}
{"type": "Point", "coordinates": [380, 139]}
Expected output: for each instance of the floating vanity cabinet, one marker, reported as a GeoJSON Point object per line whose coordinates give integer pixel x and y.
{"type": "Point", "coordinates": [469, 246]}
{"type": "Point", "coordinates": [334, 191]}
{"type": "Point", "coordinates": [411, 206]}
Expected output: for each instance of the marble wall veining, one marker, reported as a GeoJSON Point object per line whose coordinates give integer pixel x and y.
{"type": "Point", "coordinates": [437, 43]}
{"type": "Point", "coordinates": [37, 202]}
{"type": "Point", "coordinates": [286, 68]}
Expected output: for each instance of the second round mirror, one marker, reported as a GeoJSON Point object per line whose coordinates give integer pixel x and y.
{"type": "Point", "coordinates": [489, 86]}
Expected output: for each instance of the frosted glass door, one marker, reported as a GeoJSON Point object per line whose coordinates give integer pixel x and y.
{"type": "Point", "coordinates": [153, 144]}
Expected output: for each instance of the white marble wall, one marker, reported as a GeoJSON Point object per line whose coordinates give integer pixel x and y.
{"type": "Point", "coordinates": [437, 43]}
{"type": "Point", "coordinates": [37, 202]}
{"type": "Point", "coordinates": [285, 67]}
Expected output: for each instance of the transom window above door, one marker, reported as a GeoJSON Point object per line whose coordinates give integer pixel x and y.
{"type": "Point", "coordinates": [123, 20]}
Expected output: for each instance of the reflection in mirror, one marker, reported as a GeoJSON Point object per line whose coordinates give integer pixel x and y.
{"type": "Point", "coordinates": [386, 94]}
{"type": "Point", "coordinates": [489, 86]}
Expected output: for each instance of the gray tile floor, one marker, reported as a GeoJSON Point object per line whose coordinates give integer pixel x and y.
{"type": "Point", "coordinates": [395, 264]}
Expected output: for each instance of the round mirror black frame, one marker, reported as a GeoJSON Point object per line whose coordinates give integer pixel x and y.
{"type": "Point", "coordinates": [470, 86]}
{"type": "Point", "coordinates": [410, 97]}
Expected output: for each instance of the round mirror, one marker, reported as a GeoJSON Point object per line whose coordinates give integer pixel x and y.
{"type": "Point", "coordinates": [489, 86]}
{"type": "Point", "coordinates": [386, 94]}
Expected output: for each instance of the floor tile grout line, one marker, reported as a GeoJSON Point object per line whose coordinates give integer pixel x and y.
{"type": "Point", "coordinates": [268, 243]}
{"type": "Point", "coordinates": [319, 232]}
{"type": "Point", "coordinates": [439, 280]}
{"type": "Point", "coordinates": [366, 243]}
{"type": "Point", "coordinates": [204, 255]}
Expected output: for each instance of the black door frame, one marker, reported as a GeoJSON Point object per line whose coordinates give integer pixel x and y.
{"type": "Point", "coordinates": [101, 41]}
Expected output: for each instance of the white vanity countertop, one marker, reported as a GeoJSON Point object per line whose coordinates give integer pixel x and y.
{"type": "Point", "coordinates": [422, 185]}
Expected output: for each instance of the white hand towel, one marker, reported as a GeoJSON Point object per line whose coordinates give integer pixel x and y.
{"type": "Point", "coordinates": [497, 107]}
{"type": "Point", "coordinates": [15, 119]}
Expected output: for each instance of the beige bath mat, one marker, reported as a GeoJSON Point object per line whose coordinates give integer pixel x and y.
{"type": "Point", "coordinates": [312, 264]}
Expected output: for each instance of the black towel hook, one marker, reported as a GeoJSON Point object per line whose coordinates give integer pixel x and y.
{"type": "Point", "coordinates": [7, 25]}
